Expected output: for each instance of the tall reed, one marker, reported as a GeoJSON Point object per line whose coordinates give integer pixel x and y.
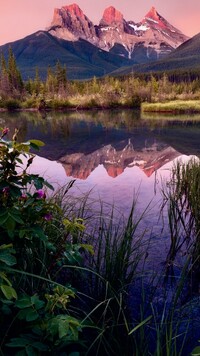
{"type": "Point", "coordinates": [182, 197]}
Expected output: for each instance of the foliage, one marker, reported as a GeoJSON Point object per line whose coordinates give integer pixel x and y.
{"type": "Point", "coordinates": [34, 306]}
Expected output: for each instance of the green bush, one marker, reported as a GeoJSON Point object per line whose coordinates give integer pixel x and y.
{"type": "Point", "coordinates": [11, 104]}
{"type": "Point", "coordinates": [34, 311]}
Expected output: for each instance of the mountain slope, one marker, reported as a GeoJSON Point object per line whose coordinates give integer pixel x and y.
{"type": "Point", "coordinates": [186, 56]}
{"type": "Point", "coordinates": [83, 60]}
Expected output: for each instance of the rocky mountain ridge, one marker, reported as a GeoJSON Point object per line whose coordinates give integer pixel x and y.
{"type": "Point", "coordinates": [151, 39]}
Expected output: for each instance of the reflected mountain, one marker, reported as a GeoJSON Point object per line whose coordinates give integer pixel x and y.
{"type": "Point", "coordinates": [81, 141]}
{"type": "Point", "coordinates": [149, 159]}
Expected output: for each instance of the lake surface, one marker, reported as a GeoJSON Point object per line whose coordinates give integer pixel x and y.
{"type": "Point", "coordinates": [118, 155]}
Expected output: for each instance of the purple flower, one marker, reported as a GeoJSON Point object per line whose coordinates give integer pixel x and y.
{"type": "Point", "coordinates": [48, 217]}
{"type": "Point", "coordinates": [40, 194]}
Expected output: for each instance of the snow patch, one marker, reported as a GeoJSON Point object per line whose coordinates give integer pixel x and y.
{"type": "Point", "coordinates": [139, 27]}
{"type": "Point", "coordinates": [106, 28]}
{"type": "Point", "coordinates": [149, 19]}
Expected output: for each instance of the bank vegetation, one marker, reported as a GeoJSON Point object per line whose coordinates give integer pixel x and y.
{"type": "Point", "coordinates": [179, 92]}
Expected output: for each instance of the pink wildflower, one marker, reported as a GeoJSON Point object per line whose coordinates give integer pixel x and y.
{"type": "Point", "coordinates": [5, 131]}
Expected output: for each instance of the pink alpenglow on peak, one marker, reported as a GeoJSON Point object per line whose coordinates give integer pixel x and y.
{"type": "Point", "coordinates": [70, 23]}
{"type": "Point", "coordinates": [151, 39]}
{"type": "Point", "coordinates": [75, 10]}
{"type": "Point", "coordinates": [155, 19]}
{"type": "Point", "coordinates": [111, 16]}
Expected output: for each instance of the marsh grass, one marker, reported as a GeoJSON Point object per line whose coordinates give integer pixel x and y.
{"type": "Point", "coordinates": [128, 309]}
{"type": "Point", "coordinates": [176, 106]}
{"type": "Point", "coordinates": [182, 196]}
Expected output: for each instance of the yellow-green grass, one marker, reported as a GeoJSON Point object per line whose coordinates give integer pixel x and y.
{"type": "Point", "coordinates": [176, 106]}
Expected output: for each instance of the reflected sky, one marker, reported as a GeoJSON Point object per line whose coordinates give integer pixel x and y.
{"type": "Point", "coordinates": [118, 156]}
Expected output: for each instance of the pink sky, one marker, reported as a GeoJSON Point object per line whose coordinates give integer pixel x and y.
{"type": "Point", "coordinates": [19, 18]}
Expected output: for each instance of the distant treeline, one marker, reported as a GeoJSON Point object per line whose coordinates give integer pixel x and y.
{"type": "Point", "coordinates": [174, 76]}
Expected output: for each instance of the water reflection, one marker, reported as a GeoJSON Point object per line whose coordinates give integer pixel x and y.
{"type": "Point", "coordinates": [118, 153]}
{"type": "Point", "coordinates": [115, 139]}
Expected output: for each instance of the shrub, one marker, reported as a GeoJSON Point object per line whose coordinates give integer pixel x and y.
{"type": "Point", "coordinates": [34, 310]}
{"type": "Point", "coordinates": [12, 104]}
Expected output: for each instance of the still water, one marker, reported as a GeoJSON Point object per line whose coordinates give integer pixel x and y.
{"type": "Point", "coordinates": [119, 155]}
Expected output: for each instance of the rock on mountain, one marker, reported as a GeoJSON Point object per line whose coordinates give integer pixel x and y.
{"type": "Point", "coordinates": [151, 39]}
{"type": "Point", "coordinates": [70, 23]}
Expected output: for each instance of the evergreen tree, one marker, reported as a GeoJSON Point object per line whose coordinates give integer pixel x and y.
{"type": "Point", "coordinates": [4, 78]}
{"type": "Point", "coordinates": [60, 74]}
{"type": "Point", "coordinates": [50, 84]}
{"type": "Point", "coordinates": [14, 74]}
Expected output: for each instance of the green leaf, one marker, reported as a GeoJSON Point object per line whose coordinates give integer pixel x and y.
{"type": "Point", "coordinates": [24, 302]}
{"type": "Point", "coordinates": [31, 315]}
{"type": "Point", "coordinates": [8, 291]}
{"type": "Point", "coordinates": [29, 202]}
{"type": "Point", "coordinates": [23, 147]}
{"type": "Point", "coordinates": [22, 314]}
{"type": "Point", "coordinates": [30, 351]}
{"type": "Point", "coordinates": [88, 248]}
{"type": "Point", "coordinates": [48, 185]}
{"type": "Point", "coordinates": [10, 223]}
{"type": "Point", "coordinates": [37, 302]}
{"type": "Point", "coordinates": [3, 218]}
{"type": "Point", "coordinates": [196, 351]}
{"type": "Point", "coordinates": [4, 277]}
{"type": "Point", "coordinates": [140, 324]}
{"type": "Point", "coordinates": [37, 143]}
{"type": "Point", "coordinates": [7, 258]}
{"type": "Point", "coordinates": [17, 218]}
{"type": "Point", "coordinates": [18, 342]}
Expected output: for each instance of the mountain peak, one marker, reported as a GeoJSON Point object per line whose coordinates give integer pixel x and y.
{"type": "Point", "coordinates": [111, 16]}
{"type": "Point", "coordinates": [155, 19]}
{"type": "Point", "coordinates": [153, 14]}
{"type": "Point", "coordinates": [74, 9]}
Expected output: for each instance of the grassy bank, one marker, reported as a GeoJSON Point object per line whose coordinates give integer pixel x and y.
{"type": "Point", "coordinates": [175, 106]}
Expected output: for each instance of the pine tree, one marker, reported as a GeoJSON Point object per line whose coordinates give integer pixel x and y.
{"type": "Point", "coordinates": [14, 74]}
{"type": "Point", "coordinates": [60, 75]}
{"type": "Point", "coordinates": [50, 84]}
{"type": "Point", "coordinates": [4, 78]}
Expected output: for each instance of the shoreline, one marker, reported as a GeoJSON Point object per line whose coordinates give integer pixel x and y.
{"type": "Point", "coordinates": [176, 107]}
{"type": "Point", "coordinates": [172, 107]}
